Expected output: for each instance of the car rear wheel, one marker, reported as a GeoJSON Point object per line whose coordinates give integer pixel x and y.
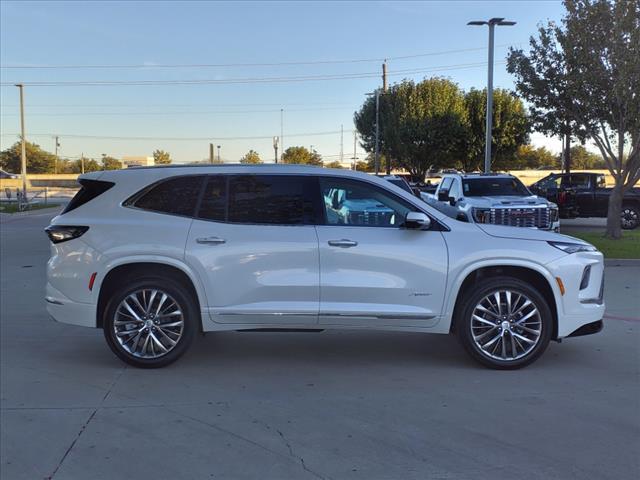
{"type": "Point", "coordinates": [629, 217]}
{"type": "Point", "coordinates": [150, 322]}
{"type": "Point", "coordinates": [504, 323]}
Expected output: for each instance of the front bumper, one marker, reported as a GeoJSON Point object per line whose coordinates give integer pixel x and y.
{"type": "Point", "coordinates": [65, 310]}
{"type": "Point", "coordinates": [588, 329]}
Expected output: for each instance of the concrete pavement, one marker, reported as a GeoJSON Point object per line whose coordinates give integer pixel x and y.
{"type": "Point", "coordinates": [336, 405]}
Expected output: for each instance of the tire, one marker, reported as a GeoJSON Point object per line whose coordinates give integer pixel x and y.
{"type": "Point", "coordinates": [178, 313]}
{"type": "Point", "coordinates": [491, 338]}
{"type": "Point", "coordinates": [630, 217]}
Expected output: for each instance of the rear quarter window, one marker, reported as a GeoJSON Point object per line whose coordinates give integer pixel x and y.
{"type": "Point", "coordinates": [174, 196]}
{"type": "Point", "coordinates": [89, 189]}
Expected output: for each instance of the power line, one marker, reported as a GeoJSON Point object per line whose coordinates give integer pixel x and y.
{"type": "Point", "coordinates": [247, 80]}
{"type": "Point", "coordinates": [164, 105]}
{"type": "Point", "coordinates": [263, 64]}
{"type": "Point", "coordinates": [110, 137]}
{"type": "Point", "coordinates": [107, 114]}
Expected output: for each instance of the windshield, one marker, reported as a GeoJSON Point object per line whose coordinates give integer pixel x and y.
{"type": "Point", "coordinates": [488, 187]}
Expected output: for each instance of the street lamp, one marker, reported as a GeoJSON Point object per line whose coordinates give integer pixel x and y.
{"type": "Point", "coordinates": [377, 147]}
{"type": "Point", "coordinates": [489, 127]}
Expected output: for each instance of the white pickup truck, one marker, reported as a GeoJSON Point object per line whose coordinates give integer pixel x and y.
{"type": "Point", "coordinates": [496, 198]}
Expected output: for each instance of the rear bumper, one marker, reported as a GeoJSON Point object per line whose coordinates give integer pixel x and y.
{"type": "Point", "coordinates": [64, 310]}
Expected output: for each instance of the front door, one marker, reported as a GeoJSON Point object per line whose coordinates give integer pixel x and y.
{"type": "Point", "coordinates": [373, 271]}
{"type": "Point", "coordinates": [255, 247]}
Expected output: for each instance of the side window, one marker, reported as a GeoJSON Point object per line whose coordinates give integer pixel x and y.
{"type": "Point", "coordinates": [601, 182]}
{"type": "Point", "coordinates": [580, 181]}
{"type": "Point", "coordinates": [272, 199]}
{"type": "Point", "coordinates": [176, 196]}
{"type": "Point", "coordinates": [354, 203]}
{"type": "Point", "coordinates": [446, 183]}
{"type": "Point", "coordinates": [214, 201]}
{"type": "Point", "coordinates": [454, 189]}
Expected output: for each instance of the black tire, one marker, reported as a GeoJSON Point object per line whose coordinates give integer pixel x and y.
{"type": "Point", "coordinates": [186, 304]}
{"type": "Point", "coordinates": [474, 295]}
{"type": "Point", "coordinates": [630, 217]}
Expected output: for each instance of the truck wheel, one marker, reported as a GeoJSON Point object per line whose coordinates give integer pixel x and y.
{"type": "Point", "coordinates": [629, 217]}
{"type": "Point", "coordinates": [150, 322]}
{"type": "Point", "coordinates": [504, 323]}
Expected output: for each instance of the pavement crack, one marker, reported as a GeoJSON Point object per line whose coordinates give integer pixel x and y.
{"type": "Point", "coordinates": [302, 463]}
{"type": "Point", "coordinates": [85, 425]}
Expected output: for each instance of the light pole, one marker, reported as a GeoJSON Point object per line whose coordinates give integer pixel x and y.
{"type": "Point", "coordinates": [377, 145]}
{"type": "Point", "coordinates": [219, 161]}
{"type": "Point", "coordinates": [489, 127]}
{"type": "Point", "coordinates": [275, 148]}
{"type": "Point", "coordinates": [23, 151]}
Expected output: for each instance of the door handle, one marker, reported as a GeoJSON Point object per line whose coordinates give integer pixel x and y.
{"type": "Point", "coordinates": [210, 240]}
{"type": "Point", "coordinates": [344, 243]}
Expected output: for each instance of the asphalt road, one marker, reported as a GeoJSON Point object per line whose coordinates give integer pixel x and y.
{"type": "Point", "coordinates": [336, 405]}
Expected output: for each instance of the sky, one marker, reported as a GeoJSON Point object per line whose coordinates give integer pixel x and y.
{"type": "Point", "coordinates": [244, 63]}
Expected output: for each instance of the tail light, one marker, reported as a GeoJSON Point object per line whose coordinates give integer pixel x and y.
{"type": "Point", "coordinates": [62, 233]}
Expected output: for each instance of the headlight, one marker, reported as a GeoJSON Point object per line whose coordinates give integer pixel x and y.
{"type": "Point", "coordinates": [553, 214]}
{"type": "Point", "coordinates": [573, 247]}
{"type": "Point", "coordinates": [482, 215]}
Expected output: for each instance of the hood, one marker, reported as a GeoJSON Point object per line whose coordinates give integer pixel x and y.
{"type": "Point", "coordinates": [521, 233]}
{"type": "Point", "coordinates": [506, 201]}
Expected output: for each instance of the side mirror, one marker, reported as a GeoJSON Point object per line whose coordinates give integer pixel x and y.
{"type": "Point", "coordinates": [452, 201]}
{"type": "Point", "coordinates": [417, 220]}
{"type": "Point", "coordinates": [443, 195]}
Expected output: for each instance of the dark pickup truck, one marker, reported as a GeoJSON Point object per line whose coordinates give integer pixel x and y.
{"type": "Point", "coordinates": [585, 194]}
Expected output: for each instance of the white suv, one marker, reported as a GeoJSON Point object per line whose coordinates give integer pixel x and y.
{"type": "Point", "coordinates": [155, 255]}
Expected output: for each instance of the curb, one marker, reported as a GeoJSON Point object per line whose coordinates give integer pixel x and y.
{"type": "Point", "coordinates": [622, 262]}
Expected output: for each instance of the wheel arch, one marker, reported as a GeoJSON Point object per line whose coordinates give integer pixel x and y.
{"type": "Point", "coordinates": [532, 274]}
{"type": "Point", "coordinates": [155, 266]}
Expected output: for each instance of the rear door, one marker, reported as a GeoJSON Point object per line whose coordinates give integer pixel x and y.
{"type": "Point", "coordinates": [255, 246]}
{"type": "Point", "coordinates": [374, 272]}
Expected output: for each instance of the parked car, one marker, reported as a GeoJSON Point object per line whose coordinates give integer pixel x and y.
{"type": "Point", "coordinates": [585, 194]}
{"type": "Point", "coordinates": [152, 256]}
{"type": "Point", "coordinates": [403, 183]}
{"type": "Point", "coordinates": [497, 198]}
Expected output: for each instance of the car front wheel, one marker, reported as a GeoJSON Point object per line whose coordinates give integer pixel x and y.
{"type": "Point", "coordinates": [150, 322]}
{"type": "Point", "coordinates": [629, 217]}
{"type": "Point", "coordinates": [504, 323]}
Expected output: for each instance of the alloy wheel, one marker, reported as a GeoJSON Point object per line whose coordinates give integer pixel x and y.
{"type": "Point", "coordinates": [506, 325]}
{"type": "Point", "coordinates": [629, 218]}
{"type": "Point", "coordinates": [148, 323]}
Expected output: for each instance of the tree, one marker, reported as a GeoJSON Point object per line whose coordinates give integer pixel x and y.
{"type": "Point", "coordinates": [581, 158]}
{"type": "Point", "coordinates": [529, 157]}
{"type": "Point", "coordinates": [422, 125]}
{"type": "Point", "coordinates": [160, 157]}
{"type": "Point", "coordinates": [251, 157]}
{"type": "Point", "coordinates": [364, 167]}
{"type": "Point", "coordinates": [587, 71]}
{"type": "Point", "coordinates": [38, 160]}
{"type": "Point", "coordinates": [302, 156]}
{"type": "Point", "coordinates": [510, 129]}
{"type": "Point", "coordinates": [334, 164]}
{"type": "Point", "coordinates": [110, 163]}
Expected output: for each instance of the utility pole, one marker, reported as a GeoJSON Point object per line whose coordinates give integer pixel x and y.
{"type": "Point", "coordinates": [23, 153]}
{"type": "Point", "coordinates": [377, 151]}
{"type": "Point", "coordinates": [55, 168]}
{"type": "Point", "coordinates": [219, 161]}
{"type": "Point", "coordinates": [341, 143]}
{"type": "Point", "coordinates": [211, 153]}
{"type": "Point", "coordinates": [82, 162]}
{"type": "Point", "coordinates": [281, 132]}
{"type": "Point", "coordinates": [355, 158]}
{"type": "Point", "coordinates": [384, 76]}
{"type": "Point", "coordinates": [275, 148]}
{"type": "Point", "coordinates": [489, 127]}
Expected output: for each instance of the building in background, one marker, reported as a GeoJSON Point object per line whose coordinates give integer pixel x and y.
{"type": "Point", "coordinates": [137, 162]}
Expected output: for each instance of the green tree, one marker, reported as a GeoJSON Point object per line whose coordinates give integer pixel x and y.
{"type": "Point", "coordinates": [587, 72]}
{"type": "Point", "coordinates": [160, 157]}
{"type": "Point", "coordinates": [529, 157]}
{"type": "Point", "coordinates": [110, 163]}
{"type": "Point", "coordinates": [422, 125]}
{"type": "Point", "coordinates": [38, 160]}
{"type": "Point", "coordinates": [510, 129]}
{"type": "Point", "coordinates": [363, 167]}
{"type": "Point", "coordinates": [301, 155]}
{"type": "Point", "coordinates": [251, 157]}
{"type": "Point", "coordinates": [583, 159]}
{"type": "Point", "coordinates": [334, 164]}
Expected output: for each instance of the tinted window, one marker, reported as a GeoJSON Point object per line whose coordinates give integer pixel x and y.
{"type": "Point", "coordinates": [214, 200]}
{"type": "Point", "coordinates": [581, 181]}
{"type": "Point", "coordinates": [273, 199]}
{"type": "Point", "coordinates": [177, 196]}
{"type": "Point", "coordinates": [90, 189]}
{"type": "Point", "coordinates": [487, 187]}
{"type": "Point", "coordinates": [349, 202]}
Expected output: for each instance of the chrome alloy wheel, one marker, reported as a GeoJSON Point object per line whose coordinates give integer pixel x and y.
{"type": "Point", "coordinates": [506, 325]}
{"type": "Point", "coordinates": [148, 323]}
{"type": "Point", "coordinates": [629, 218]}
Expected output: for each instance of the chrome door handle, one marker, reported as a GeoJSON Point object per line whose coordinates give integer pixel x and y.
{"type": "Point", "coordinates": [344, 243]}
{"type": "Point", "coordinates": [210, 240]}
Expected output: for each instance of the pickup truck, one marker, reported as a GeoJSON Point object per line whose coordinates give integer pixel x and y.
{"type": "Point", "coordinates": [585, 194]}
{"type": "Point", "coordinates": [496, 198]}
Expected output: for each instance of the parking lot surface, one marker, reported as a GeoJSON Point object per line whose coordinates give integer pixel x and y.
{"type": "Point", "coordinates": [334, 405]}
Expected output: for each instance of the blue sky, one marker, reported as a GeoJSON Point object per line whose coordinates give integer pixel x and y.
{"type": "Point", "coordinates": [147, 33]}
